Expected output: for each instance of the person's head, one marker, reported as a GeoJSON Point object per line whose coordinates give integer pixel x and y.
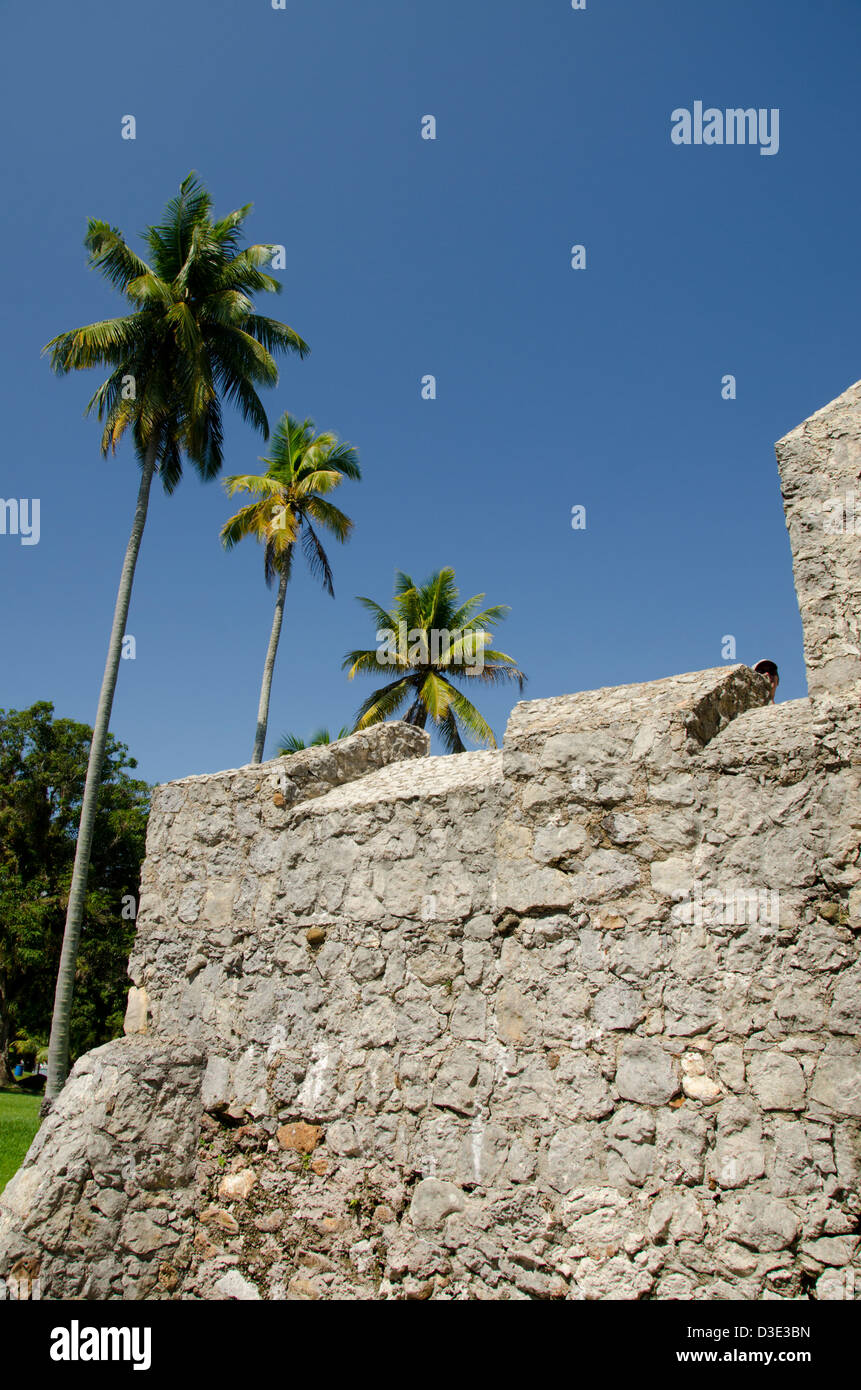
{"type": "Point", "coordinates": [769, 670]}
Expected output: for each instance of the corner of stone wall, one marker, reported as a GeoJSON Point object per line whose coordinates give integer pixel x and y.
{"type": "Point", "coordinates": [820, 470]}
{"type": "Point", "coordinates": [103, 1204]}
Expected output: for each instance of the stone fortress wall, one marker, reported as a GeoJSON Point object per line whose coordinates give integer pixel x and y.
{"type": "Point", "coordinates": [573, 1019]}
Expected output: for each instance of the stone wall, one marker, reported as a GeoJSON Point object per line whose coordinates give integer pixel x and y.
{"type": "Point", "coordinates": [820, 469]}
{"type": "Point", "coordinates": [574, 1019]}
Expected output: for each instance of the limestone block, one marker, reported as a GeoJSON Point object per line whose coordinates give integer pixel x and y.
{"type": "Point", "coordinates": [777, 1081]}
{"type": "Point", "coordinates": [433, 1201]}
{"type": "Point", "coordinates": [761, 1222]}
{"type": "Point", "coordinates": [618, 1007]}
{"type": "Point", "coordinates": [739, 1154]}
{"type": "Point", "coordinates": [837, 1079]}
{"type": "Point", "coordinates": [646, 1073]}
{"type": "Point", "coordinates": [137, 1011]}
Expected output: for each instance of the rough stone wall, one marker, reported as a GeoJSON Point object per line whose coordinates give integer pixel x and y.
{"type": "Point", "coordinates": [217, 880]}
{"type": "Point", "coordinates": [104, 1204]}
{"type": "Point", "coordinates": [576, 1019]}
{"type": "Point", "coordinates": [820, 469]}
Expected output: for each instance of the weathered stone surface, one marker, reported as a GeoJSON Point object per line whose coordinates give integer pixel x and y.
{"type": "Point", "coordinates": [729, 1061]}
{"type": "Point", "coordinates": [433, 1201]}
{"type": "Point", "coordinates": [761, 1222]}
{"type": "Point", "coordinates": [235, 1187]}
{"type": "Point", "coordinates": [739, 1153]}
{"type": "Point", "coordinates": [845, 1015]}
{"type": "Point", "coordinates": [137, 1012]}
{"type": "Point", "coordinates": [572, 1158]}
{"type": "Point", "coordinates": [122, 1133]}
{"type": "Point", "coordinates": [701, 1088]}
{"type": "Point", "coordinates": [646, 1073]}
{"type": "Point", "coordinates": [301, 1137]}
{"type": "Point", "coordinates": [777, 1081]}
{"type": "Point", "coordinates": [837, 1079]}
{"type": "Point", "coordinates": [618, 1007]}
{"type": "Point", "coordinates": [234, 1285]}
{"type": "Point", "coordinates": [820, 465]}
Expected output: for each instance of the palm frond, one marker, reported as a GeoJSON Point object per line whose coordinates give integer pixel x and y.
{"type": "Point", "coordinates": [96, 344]}
{"type": "Point", "coordinates": [226, 230]}
{"type": "Point", "coordinates": [495, 669]}
{"type": "Point", "coordinates": [450, 734]}
{"type": "Point", "coordinates": [331, 517]}
{"type": "Point", "coordinates": [381, 704]}
{"type": "Point", "coordinates": [364, 660]}
{"type": "Point", "coordinates": [403, 583]}
{"type": "Point", "coordinates": [435, 694]}
{"type": "Point", "coordinates": [470, 719]}
{"type": "Point", "coordinates": [110, 254]}
{"type": "Point", "coordinates": [275, 336]}
{"type": "Point", "coordinates": [318, 560]}
{"type": "Point", "coordinates": [242, 272]}
{"type": "Point", "coordinates": [264, 484]}
{"type": "Point", "coordinates": [380, 616]}
{"type": "Point", "coordinates": [290, 743]}
{"type": "Point", "coordinates": [193, 341]}
{"type": "Point", "coordinates": [245, 522]}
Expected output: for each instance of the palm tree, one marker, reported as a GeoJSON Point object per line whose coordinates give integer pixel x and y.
{"type": "Point", "coordinates": [431, 639]}
{"type": "Point", "coordinates": [192, 338]}
{"type": "Point", "coordinates": [290, 495]}
{"type": "Point", "coordinates": [292, 743]}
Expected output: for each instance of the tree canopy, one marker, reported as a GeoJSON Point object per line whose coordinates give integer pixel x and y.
{"type": "Point", "coordinates": [43, 764]}
{"type": "Point", "coordinates": [430, 640]}
{"type": "Point", "coordinates": [193, 338]}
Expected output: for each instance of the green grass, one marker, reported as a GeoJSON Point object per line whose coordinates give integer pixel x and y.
{"type": "Point", "coordinates": [19, 1120]}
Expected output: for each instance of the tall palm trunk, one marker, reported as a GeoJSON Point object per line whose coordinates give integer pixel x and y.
{"type": "Point", "coordinates": [5, 1030]}
{"type": "Point", "coordinates": [269, 667]}
{"type": "Point", "coordinates": [417, 714]}
{"type": "Point", "coordinates": [58, 1052]}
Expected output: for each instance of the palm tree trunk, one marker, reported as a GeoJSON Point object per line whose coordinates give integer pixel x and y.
{"type": "Point", "coordinates": [268, 668]}
{"type": "Point", "coordinates": [417, 714]}
{"type": "Point", "coordinates": [5, 1030]}
{"type": "Point", "coordinates": [58, 1052]}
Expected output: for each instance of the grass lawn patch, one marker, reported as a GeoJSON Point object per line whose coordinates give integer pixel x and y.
{"type": "Point", "coordinates": [19, 1120]}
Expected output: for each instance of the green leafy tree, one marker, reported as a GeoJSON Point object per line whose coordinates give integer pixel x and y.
{"type": "Point", "coordinates": [191, 340]}
{"type": "Point", "coordinates": [43, 768]}
{"type": "Point", "coordinates": [431, 639]}
{"type": "Point", "coordinates": [292, 743]}
{"type": "Point", "coordinates": [291, 497]}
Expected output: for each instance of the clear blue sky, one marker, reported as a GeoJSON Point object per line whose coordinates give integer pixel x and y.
{"type": "Point", "coordinates": [404, 257]}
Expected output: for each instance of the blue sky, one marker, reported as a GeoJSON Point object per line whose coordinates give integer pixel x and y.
{"type": "Point", "coordinates": [556, 387]}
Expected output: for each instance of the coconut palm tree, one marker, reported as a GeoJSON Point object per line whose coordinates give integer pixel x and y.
{"type": "Point", "coordinates": [190, 340]}
{"type": "Point", "coordinates": [292, 743]}
{"type": "Point", "coordinates": [431, 639]}
{"type": "Point", "coordinates": [290, 495]}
